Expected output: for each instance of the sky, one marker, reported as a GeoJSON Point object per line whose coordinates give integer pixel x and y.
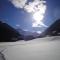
{"type": "Point", "coordinates": [31, 15]}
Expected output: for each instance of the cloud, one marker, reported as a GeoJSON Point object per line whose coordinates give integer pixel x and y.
{"type": "Point", "coordinates": [39, 24]}
{"type": "Point", "coordinates": [37, 8]}
{"type": "Point", "coordinates": [18, 3]}
{"type": "Point", "coordinates": [34, 6]}
{"type": "Point", "coordinates": [17, 25]}
{"type": "Point", "coordinates": [31, 6]}
{"type": "Point", "coordinates": [39, 32]}
{"type": "Point", "coordinates": [26, 30]}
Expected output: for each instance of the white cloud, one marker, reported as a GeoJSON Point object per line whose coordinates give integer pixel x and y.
{"type": "Point", "coordinates": [37, 8]}
{"type": "Point", "coordinates": [39, 24]}
{"type": "Point", "coordinates": [39, 32]}
{"type": "Point", "coordinates": [17, 25]}
{"type": "Point", "coordinates": [26, 30]}
{"type": "Point", "coordinates": [34, 6]}
{"type": "Point", "coordinates": [38, 13]}
{"type": "Point", "coordinates": [18, 3]}
{"type": "Point", "coordinates": [31, 6]}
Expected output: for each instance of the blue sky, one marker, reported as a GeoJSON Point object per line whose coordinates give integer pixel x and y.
{"type": "Point", "coordinates": [19, 18]}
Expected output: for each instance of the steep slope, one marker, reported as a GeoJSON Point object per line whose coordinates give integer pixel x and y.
{"type": "Point", "coordinates": [53, 30]}
{"type": "Point", "coordinates": [7, 33]}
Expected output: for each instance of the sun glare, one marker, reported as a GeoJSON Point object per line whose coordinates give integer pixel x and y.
{"type": "Point", "coordinates": [37, 17]}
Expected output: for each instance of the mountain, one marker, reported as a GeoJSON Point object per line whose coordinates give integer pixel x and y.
{"type": "Point", "coordinates": [8, 34]}
{"type": "Point", "coordinates": [27, 35]}
{"type": "Point", "coordinates": [53, 30]}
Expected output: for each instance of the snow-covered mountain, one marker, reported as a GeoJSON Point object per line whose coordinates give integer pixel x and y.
{"type": "Point", "coordinates": [27, 34]}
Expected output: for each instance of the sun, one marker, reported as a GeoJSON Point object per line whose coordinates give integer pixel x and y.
{"type": "Point", "coordinates": [37, 16]}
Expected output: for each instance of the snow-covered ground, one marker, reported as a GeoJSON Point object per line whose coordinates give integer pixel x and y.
{"type": "Point", "coordinates": [47, 48]}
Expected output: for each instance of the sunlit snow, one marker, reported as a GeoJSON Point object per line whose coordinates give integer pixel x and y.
{"type": "Point", "coordinates": [38, 49]}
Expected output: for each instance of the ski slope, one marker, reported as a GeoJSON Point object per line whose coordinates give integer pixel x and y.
{"type": "Point", "coordinates": [47, 48]}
